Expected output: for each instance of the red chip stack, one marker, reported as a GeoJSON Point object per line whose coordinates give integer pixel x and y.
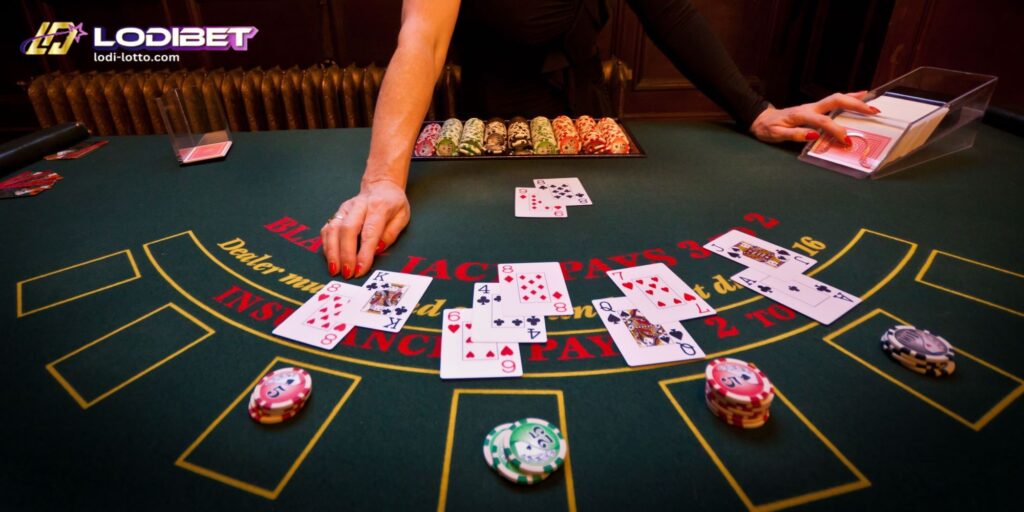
{"type": "Point", "coordinates": [590, 135]}
{"type": "Point", "coordinates": [615, 141]}
{"type": "Point", "coordinates": [566, 136]}
{"type": "Point", "coordinates": [427, 140]}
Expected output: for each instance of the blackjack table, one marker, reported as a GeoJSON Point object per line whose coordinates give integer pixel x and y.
{"type": "Point", "coordinates": [138, 299]}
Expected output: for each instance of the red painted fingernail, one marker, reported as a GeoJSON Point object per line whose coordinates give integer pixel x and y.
{"type": "Point", "coordinates": [875, 110]}
{"type": "Point", "coordinates": [380, 247]}
{"type": "Point", "coordinates": [345, 272]}
{"type": "Point", "coordinates": [332, 268]}
{"type": "Point", "coordinates": [847, 140]}
{"type": "Point", "coordinates": [358, 268]}
{"type": "Point", "coordinates": [811, 136]}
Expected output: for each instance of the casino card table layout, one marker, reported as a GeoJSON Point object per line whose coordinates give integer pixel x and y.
{"type": "Point", "coordinates": [139, 299]}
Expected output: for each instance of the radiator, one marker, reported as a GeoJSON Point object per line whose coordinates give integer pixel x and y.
{"type": "Point", "coordinates": [328, 96]}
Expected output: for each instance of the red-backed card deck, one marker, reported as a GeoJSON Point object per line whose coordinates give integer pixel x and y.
{"type": "Point", "coordinates": [77, 151]}
{"type": "Point", "coordinates": [28, 183]}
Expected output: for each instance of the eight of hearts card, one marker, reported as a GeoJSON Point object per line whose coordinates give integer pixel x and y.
{"type": "Point", "coordinates": [533, 289]}
{"type": "Point", "coordinates": [392, 298]}
{"type": "Point", "coordinates": [759, 254]}
{"type": "Point", "coordinates": [326, 317]}
{"type": "Point", "coordinates": [659, 294]}
{"type": "Point", "coordinates": [642, 342]}
{"type": "Point", "coordinates": [492, 324]}
{"type": "Point", "coordinates": [806, 295]}
{"type": "Point", "coordinates": [462, 357]}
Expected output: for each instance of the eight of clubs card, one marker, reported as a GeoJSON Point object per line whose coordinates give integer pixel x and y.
{"type": "Point", "coordinates": [392, 298]}
{"type": "Point", "coordinates": [824, 303]}
{"type": "Point", "coordinates": [565, 191]}
{"type": "Point", "coordinates": [464, 358]}
{"type": "Point", "coordinates": [492, 324]}
{"type": "Point", "coordinates": [326, 317]}
{"type": "Point", "coordinates": [759, 254]}
{"type": "Point", "coordinates": [642, 342]}
{"type": "Point", "coordinates": [659, 294]}
{"type": "Point", "coordinates": [533, 289]}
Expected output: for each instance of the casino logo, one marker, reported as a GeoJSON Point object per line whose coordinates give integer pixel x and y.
{"type": "Point", "coordinates": [47, 39]}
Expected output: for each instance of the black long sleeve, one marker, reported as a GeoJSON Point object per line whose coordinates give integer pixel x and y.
{"type": "Point", "coordinates": [682, 34]}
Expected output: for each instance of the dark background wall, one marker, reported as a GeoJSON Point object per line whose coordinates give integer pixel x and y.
{"type": "Point", "coordinates": [793, 51]}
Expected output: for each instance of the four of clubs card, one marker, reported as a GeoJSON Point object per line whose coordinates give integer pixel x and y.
{"type": "Point", "coordinates": [777, 273]}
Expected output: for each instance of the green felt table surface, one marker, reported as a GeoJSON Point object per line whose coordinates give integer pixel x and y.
{"type": "Point", "coordinates": [132, 334]}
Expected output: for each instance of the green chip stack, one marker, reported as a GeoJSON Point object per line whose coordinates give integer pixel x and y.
{"type": "Point", "coordinates": [448, 140]}
{"type": "Point", "coordinates": [543, 136]}
{"type": "Point", "coordinates": [525, 451]}
{"type": "Point", "coordinates": [472, 143]}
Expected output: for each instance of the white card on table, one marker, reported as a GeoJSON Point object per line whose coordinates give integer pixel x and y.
{"type": "Point", "coordinates": [565, 191]}
{"type": "Point", "coordinates": [326, 317]}
{"type": "Point", "coordinates": [533, 289]}
{"type": "Point", "coordinates": [534, 202]}
{"type": "Point", "coordinates": [392, 297]}
{"type": "Point", "coordinates": [659, 294]}
{"type": "Point", "coordinates": [823, 303]}
{"type": "Point", "coordinates": [492, 324]}
{"type": "Point", "coordinates": [642, 342]}
{"type": "Point", "coordinates": [759, 254]}
{"type": "Point", "coordinates": [464, 358]}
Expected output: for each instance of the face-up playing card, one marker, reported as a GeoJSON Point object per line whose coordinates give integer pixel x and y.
{"type": "Point", "coordinates": [392, 298]}
{"type": "Point", "coordinates": [659, 294]}
{"type": "Point", "coordinates": [642, 342]}
{"type": "Point", "coordinates": [533, 202]}
{"type": "Point", "coordinates": [492, 324]}
{"type": "Point", "coordinates": [759, 254]}
{"type": "Point", "coordinates": [326, 317]}
{"type": "Point", "coordinates": [823, 303]}
{"type": "Point", "coordinates": [533, 289]}
{"type": "Point", "coordinates": [565, 191]}
{"type": "Point", "coordinates": [462, 357]}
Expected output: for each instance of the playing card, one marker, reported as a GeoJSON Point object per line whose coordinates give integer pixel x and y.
{"type": "Point", "coordinates": [642, 342]}
{"type": "Point", "coordinates": [533, 289]}
{"type": "Point", "coordinates": [564, 191]}
{"type": "Point", "coordinates": [326, 317]}
{"type": "Point", "coordinates": [392, 298]}
{"type": "Point", "coordinates": [205, 152]}
{"type": "Point", "coordinates": [464, 358]}
{"type": "Point", "coordinates": [759, 254]}
{"type": "Point", "coordinates": [77, 151]}
{"type": "Point", "coordinates": [871, 140]}
{"type": "Point", "coordinates": [806, 295]}
{"type": "Point", "coordinates": [659, 294]}
{"type": "Point", "coordinates": [533, 202]}
{"type": "Point", "coordinates": [491, 324]}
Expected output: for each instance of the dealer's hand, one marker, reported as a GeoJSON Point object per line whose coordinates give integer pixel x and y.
{"type": "Point", "coordinates": [777, 125]}
{"type": "Point", "coordinates": [363, 227]}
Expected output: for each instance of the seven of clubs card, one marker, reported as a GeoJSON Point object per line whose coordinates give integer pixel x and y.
{"type": "Point", "coordinates": [326, 317]}
{"type": "Point", "coordinates": [659, 294]}
{"type": "Point", "coordinates": [462, 357]}
{"type": "Point", "coordinates": [822, 302]}
{"type": "Point", "coordinates": [759, 254]}
{"type": "Point", "coordinates": [533, 289]}
{"type": "Point", "coordinates": [642, 342]}
{"type": "Point", "coordinates": [492, 324]}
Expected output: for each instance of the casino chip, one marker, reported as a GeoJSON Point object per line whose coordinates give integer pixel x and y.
{"type": "Point", "coordinates": [280, 395]}
{"type": "Point", "coordinates": [738, 393]}
{"type": "Point", "coordinates": [526, 451]}
{"type": "Point", "coordinates": [919, 350]}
